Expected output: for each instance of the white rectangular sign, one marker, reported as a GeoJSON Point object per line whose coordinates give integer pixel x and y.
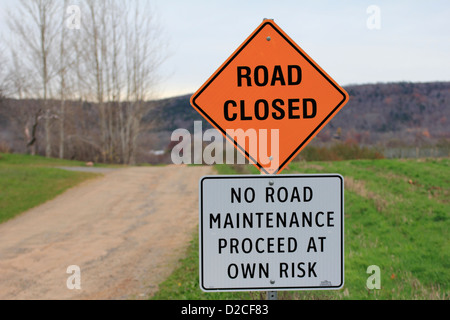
{"type": "Point", "coordinates": [271, 233]}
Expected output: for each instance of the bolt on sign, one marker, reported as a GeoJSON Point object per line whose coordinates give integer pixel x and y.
{"type": "Point", "coordinates": [269, 98]}
{"type": "Point", "coordinates": [271, 233]}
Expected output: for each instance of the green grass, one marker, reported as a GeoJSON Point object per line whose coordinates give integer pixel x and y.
{"type": "Point", "coordinates": [396, 217]}
{"type": "Point", "coordinates": [27, 181]}
{"type": "Point", "coordinates": [35, 161]}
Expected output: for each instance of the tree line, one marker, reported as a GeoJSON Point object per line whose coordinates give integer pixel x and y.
{"type": "Point", "coordinates": [63, 56]}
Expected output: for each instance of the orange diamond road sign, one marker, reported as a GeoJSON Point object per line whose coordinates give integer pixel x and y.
{"type": "Point", "coordinates": [269, 98]}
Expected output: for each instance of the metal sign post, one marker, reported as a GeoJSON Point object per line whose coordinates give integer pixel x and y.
{"type": "Point", "coordinates": [271, 295]}
{"type": "Point", "coordinates": [270, 233]}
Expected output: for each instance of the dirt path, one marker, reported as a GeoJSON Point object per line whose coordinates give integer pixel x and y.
{"type": "Point", "coordinates": [125, 231]}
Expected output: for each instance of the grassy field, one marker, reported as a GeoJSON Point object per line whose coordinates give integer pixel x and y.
{"type": "Point", "coordinates": [396, 217]}
{"type": "Point", "coordinates": [27, 181]}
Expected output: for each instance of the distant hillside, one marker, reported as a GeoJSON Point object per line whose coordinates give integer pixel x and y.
{"type": "Point", "coordinates": [385, 115]}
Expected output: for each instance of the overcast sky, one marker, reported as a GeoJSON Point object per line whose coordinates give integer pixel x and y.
{"type": "Point", "coordinates": [412, 43]}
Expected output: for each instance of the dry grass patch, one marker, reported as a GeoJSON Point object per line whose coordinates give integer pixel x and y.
{"type": "Point", "coordinates": [359, 187]}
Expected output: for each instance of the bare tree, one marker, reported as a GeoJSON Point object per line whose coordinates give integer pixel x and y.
{"type": "Point", "coordinates": [16, 75]}
{"type": "Point", "coordinates": [93, 54]}
{"type": "Point", "coordinates": [33, 24]}
{"type": "Point", "coordinates": [19, 85]}
{"type": "Point", "coordinates": [3, 73]}
{"type": "Point", "coordinates": [110, 61]}
{"type": "Point", "coordinates": [65, 63]}
{"type": "Point", "coordinates": [121, 39]}
{"type": "Point", "coordinates": [145, 52]}
{"type": "Point", "coordinates": [113, 74]}
{"type": "Point", "coordinates": [30, 130]}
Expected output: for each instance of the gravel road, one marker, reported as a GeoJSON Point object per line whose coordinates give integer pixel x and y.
{"type": "Point", "coordinates": [125, 231]}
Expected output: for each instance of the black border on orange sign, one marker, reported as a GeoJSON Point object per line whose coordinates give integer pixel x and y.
{"type": "Point", "coordinates": [272, 24]}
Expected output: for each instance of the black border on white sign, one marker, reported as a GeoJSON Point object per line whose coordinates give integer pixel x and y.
{"type": "Point", "coordinates": [269, 177]}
